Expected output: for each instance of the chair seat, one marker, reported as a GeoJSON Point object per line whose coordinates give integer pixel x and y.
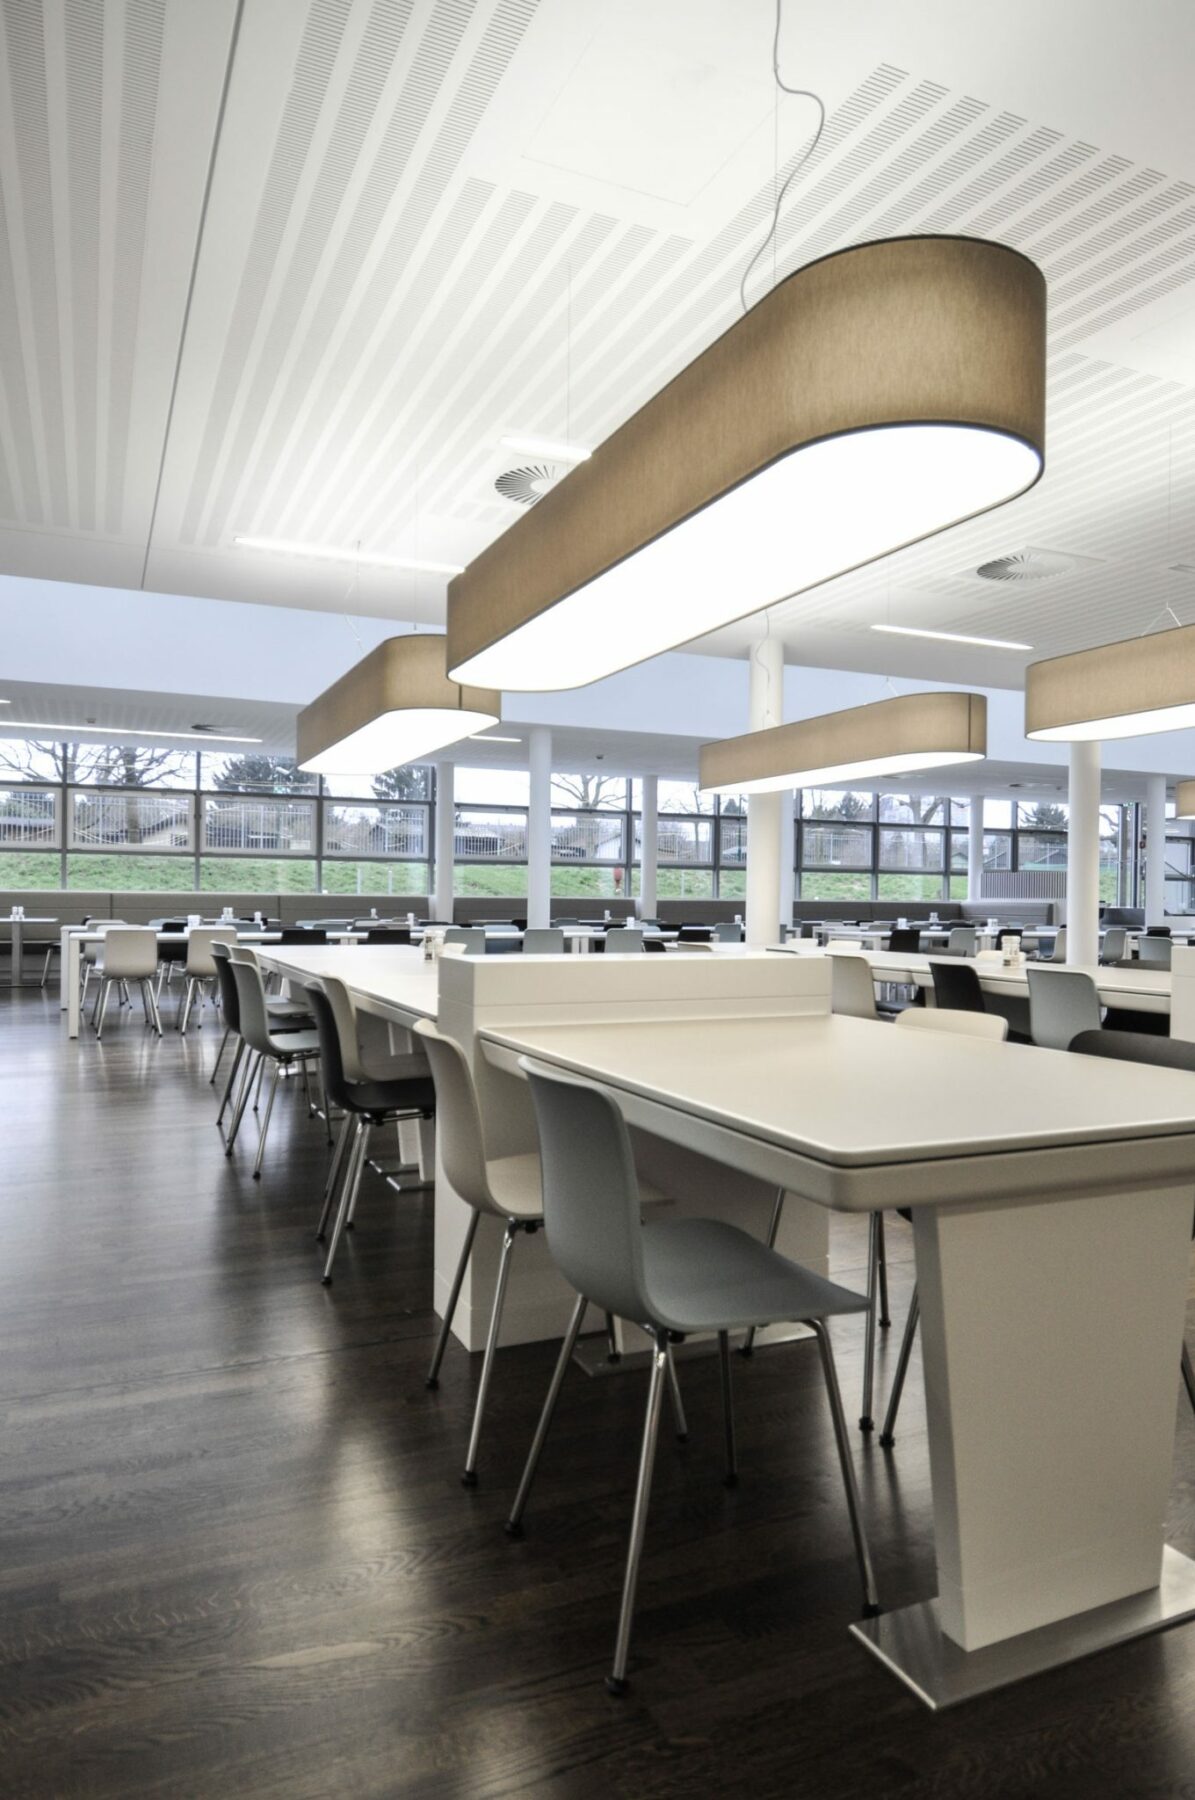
{"type": "Point", "coordinates": [514, 1181]}
{"type": "Point", "coordinates": [705, 1275]}
{"type": "Point", "coordinates": [296, 1043]}
{"type": "Point", "coordinates": [378, 1097]}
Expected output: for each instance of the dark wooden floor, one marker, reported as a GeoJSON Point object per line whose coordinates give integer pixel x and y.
{"type": "Point", "coordinates": [237, 1560]}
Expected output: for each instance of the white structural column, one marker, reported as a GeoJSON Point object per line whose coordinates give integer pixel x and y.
{"type": "Point", "coordinates": [1155, 850]}
{"type": "Point", "coordinates": [765, 707]}
{"type": "Point", "coordinates": [975, 849]}
{"type": "Point", "coordinates": [788, 854]}
{"type": "Point", "coordinates": [539, 829]}
{"type": "Point", "coordinates": [649, 851]}
{"type": "Point", "coordinates": [445, 840]}
{"type": "Point", "coordinates": [1083, 856]}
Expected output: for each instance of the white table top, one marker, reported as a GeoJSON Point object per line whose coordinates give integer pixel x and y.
{"type": "Point", "coordinates": [27, 919]}
{"type": "Point", "coordinates": [853, 1095]}
{"type": "Point", "coordinates": [1115, 986]}
{"type": "Point", "coordinates": [387, 979]}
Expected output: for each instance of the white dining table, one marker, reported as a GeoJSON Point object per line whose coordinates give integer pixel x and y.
{"type": "Point", "coordinates": [1052, 1200]}
{"type": "Point", "coordinates": [1143, 989]}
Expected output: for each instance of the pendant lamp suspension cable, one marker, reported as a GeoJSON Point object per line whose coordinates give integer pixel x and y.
{"type": "Point", "coordinates": [1167, 611]}
{"type": "Point", "coordinates": [781, 192]}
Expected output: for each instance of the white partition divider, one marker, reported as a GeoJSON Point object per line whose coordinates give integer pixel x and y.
{"type": "Point", "coordinates": [1182, 992]}
{"type": "Point", "coordinates": [478, 993]}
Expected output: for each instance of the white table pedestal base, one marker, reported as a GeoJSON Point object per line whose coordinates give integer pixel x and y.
{"type": "Point", "coordinates": [912, 1644]}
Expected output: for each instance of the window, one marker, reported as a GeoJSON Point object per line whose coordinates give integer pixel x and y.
{"type": "Point", "coordinates": [836, 803]}
{"type": "Point", "coordinates": [21, 759]}
{"type": "Point", "coordinates": [260, 875]}
{"type": "Point", "coordinates": [412, 782]}
{"type": "Point", "coordinates": [481, 836]}
{"type": "Point", "coordinates": [375, 878]}
{"type": "Point", "coordinates": [909, 887]}
{"type": "Point", "coordinates": [29, 818]}
{"type": "Point", "coordinates": [588, 837]}
{"type": "Point", "coordinates": [590, 792]}
{"type": "Point", "coordinates": [592, 883]}
{"type": "Point", "coordinates": [837, 847]}
{"type": "Point", "coordinates": [830, 886]}
{"type": "Point", "coordinates": [674, 797]}
{"type": "Point", "coordinates": [912, 809]}
{"type": "Point", "coordinates": [376, 831]}
{"type": "Point", "coordinates": [257, 775]}
{"type": "Point", "coordinates": [732, 842]}
{"type": "Point", "coordinates": [30, 869]}
{"type": "Point", "coordinates": [108, 765]}
{"type": "Point", "coordinates": [130, 821]}
{"type": "Point", "coordinates": [911, 849]}
{"type": "Point", "coordinates": [123, 873]}
{"type": "Point", "coordinates": [1041, 850]}
{"type": "Point", "coordinates": [680, 841]}
{"type": "Point", "coordinates": [493, 787]}
{"type": "Point", "coordinates": [251, 827]}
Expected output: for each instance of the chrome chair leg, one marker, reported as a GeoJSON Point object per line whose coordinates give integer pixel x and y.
{"type": "Point", "coordinates": [469, 1475]}
{"type": "Point", "coordinates": [265, 1123]}
{"type": "Point", "coordinates": [514, 1524]}
{"type": "Point", "coordinates": [351, 1215]}
{"type": "Point", "coordinates": [678, 1406]}
{"type": "Point", "coordinates": [1189, 1376]}
{"type": "Point", "coordinates": [866, 1422]}
{"type": "Point", "coordinates": [747, 1347]}
{"type": "Point", "coordinates": [888, 1435]}
{"type": "Point", "coordinates": [219, 1056]}
{"type": "Point", "coordinates": [433, 1374]}
{"type": "Point", "coordinates": [330, 1185]}
{"type": "Point", "coordinates": [871, 1604]}
{"type": "Point", "coordinates": [616, 1681]}
{"type": "Point", "coordinates": [242, 1099]}
{"type": "Point", "coordinates": [348, 1194]}
{"type": "Point", "coordinates": [237, 1060]}
{"type": "Point", "coordinates": [732, 1461]}
{"type": "Point", "coordinates": [884, 1320]}
{"type": "Point", "coordinates": [613, 1353]}
{"type": "Point", "coordinates": [102, 1004]}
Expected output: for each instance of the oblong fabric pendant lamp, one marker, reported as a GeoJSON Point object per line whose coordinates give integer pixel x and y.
{"type": "Point", "coordinates": [900, 736]}
{"type": "Point", "coordinates": [871, 399]}
{"type": "Point", "coordinates": [1119, 690]}
{"type": "Point", "coordinates": [1184, 800]}
{"type": "Point", "coordinates": [393, 706]}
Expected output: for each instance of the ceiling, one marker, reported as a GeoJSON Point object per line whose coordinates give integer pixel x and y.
{"type": "Point", "coordinates": [293, 267]}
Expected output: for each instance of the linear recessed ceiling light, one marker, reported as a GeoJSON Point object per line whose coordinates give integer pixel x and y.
{"type": "Point", "coordinates": [393, 707]}
{"type": "Point", "coordinates": [871, 399]}
{"type": "Point", "coordinates": [952, 637]}
{"type": "Point", "coordinates": [1128, 689]}
{"type": "Point", "coordinates": [119, 731]}
{"type": "Point", "coordinates": [486, 737]}
{"type": "Point", "coordinates": [900, 736]}
{"type": "Point", "coordinates": [550, 447]}
{"type": "Point", "coordinates": [370, 559]}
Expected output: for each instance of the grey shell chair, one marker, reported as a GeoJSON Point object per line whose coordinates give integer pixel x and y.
{"type": "Point", "coordinates": [543, 940]}
{"type": "Point", "coordinates": [1154, 952]}
{"type": "Point", "coordinates": [264, 1044]}
{"type": "Point", "coordinates": [852, 987]}
{"type": "Point", "coordinates": [128, 953]}
{"type": "Point", "coordinates": [1062, 1003]}
{"type": "Point", "coordinates": [470, 937]}
{"type": "Point", "coordinates": [690, 1275]}
{"type": "Point", "coordinates": [962, 941]}
{"type": "Point", "coordinates": [502, 1187]}
{"type": "Point", "coordinates": [624, 942]}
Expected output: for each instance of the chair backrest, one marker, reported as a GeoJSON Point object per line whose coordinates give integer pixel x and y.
{"type": "Point", "coordinates": [543, 940]}
{"type": "Point", "coordinates": [1062, 1003]}
{"type": "Point", "coordinates": [199, 948]}
{"type": "Point", "coordinates": [289, 935]}
{"type": "Point", "coordinates": [459, 1134]}
{"type": "Point", "coordinates": [229, 1004]}
{"type": "Point", "coordinates": [590, 1192]}
{"type": "Point", "coordinates": [956, 986]}
{"type": "Point", "coordinates": [470, 937]}
{"type": "Point", "coordinates": [1058, 953]}
{"type": "Point", "coordinates": [337, 1086]}
{"type": "Point", "coordinates": [386, 934]}
{"type": "Point", "coordinates": [962, 1024]}
{"type": "Point", "coordinates": [852, 987]}
{"type": "Point", "coordinates": [1154, 952]}
{"type": "Point", "coordinates": [907, 941]}
{"type": "Point", "coordinates": [251, 1002]}
{"type": "Point", "coordinates": [344, 1015]}
{"type": "Point", "coordinates": [130, 952]}
{"type": "Point", "coordinates": [624, 943]}
{"type": "Point", "coordinates": [1115, 944]}
{"type": "Point", "coordinates": [1138, 1047]}
{"type": "Point", "coordinates": [961, 941]}
{"type": "Point", "coordinates": [728, 933]}
{"type": "Point", "coordinates": [1157, 931]}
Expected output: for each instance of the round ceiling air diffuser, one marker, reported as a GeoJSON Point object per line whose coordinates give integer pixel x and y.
{"type": "Point", "coordinates": [1027, 565]}
{"type": "Point", "coordinates": [529, 483]}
